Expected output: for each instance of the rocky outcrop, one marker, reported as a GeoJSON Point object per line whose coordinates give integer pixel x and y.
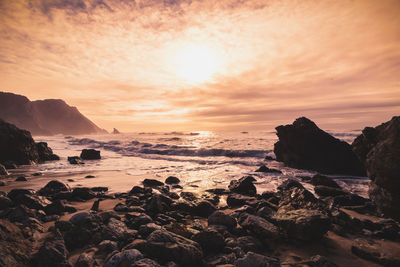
{"type": "Point", "coordinates": [17, 146]}
{"type": "Point", "coordinates": [303, 145]}
{"type": "Point", "coordinates": [90, 154]}
{"type": "Point", "coordinates": [379, 149]}
{"type": "Point", "coordinates": [45, 117]}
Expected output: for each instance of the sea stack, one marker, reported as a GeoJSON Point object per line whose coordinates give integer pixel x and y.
{"type": "Point", "coordinates": [115, 131]}
{"type": "Point", "coordinates": [303, 145]}
{"type": "Point", "coordinates": [379, 149]}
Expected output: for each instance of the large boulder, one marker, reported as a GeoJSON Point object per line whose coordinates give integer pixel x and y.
{"type": "Point", "coordinates": [303, 145]}
{"type": "Point", "coordinates": [379, 149]}
{"type": "Point", "coordinates": [167, 246]}
{"type": "Point", "coordinates": [259, 227]}
{"type": "Point", "coordinates": [53, 187]}
{"type": "Point", "coordinates": [45, 152]}
{"type": "Point", "coordinates": [256, 260]}
{"type": "Point", "coordinates": [51, 253]}
{"type": "Point", "coordinates": [16, 145]}
{"type": "Point", "coordinates": [243, 186]}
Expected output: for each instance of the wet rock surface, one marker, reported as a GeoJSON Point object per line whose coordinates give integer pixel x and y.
{"type": "Point", "coordinates": [303, 145]}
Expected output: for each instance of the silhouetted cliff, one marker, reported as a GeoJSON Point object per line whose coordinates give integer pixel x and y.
{"type": "Point", "coordinates": [44, 117]}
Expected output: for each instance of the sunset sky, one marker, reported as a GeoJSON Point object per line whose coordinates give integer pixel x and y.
{"type": "Point", "coordinates": [153, 65]}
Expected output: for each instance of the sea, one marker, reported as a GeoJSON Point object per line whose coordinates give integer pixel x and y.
{"type": "Point", "coordinates": [201, 160]}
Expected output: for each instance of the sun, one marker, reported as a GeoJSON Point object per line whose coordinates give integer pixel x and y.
{"type": "Point", "coordinates": [197, 64]}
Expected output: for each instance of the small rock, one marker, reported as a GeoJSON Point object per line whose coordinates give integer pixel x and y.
{"type": "Point", "coordinates": [319, 179]}
{"type": "Point", "coordinates": [84, 260]}
{"type": "Point", "coordinates": [256, 260]}
{"type": "Point", "coordinates": [90, 154]}
{"type": "Point", "coordinates": [243, 186]}
{"type": "Point", "coordinates": [264, 168]}
{"type": "Point", "coordinates": [89, 176]}
{"type": "Point", "coordinates": [210, 240]}
{"type": "Point", "coordinates": [2, 183]}
{"type": "Point", "coordinates": [123, 258]}
{"type": "Point", "coordinates": [220, 218]}
{"type": "Point", "coordinates": [3, 170]}
{"type": "Point", "coordinates": [152, 183]}
{"type": "Point", "coordinates": [321, 261]}
{"type": "Point", "coordinates": [53, 187]}
{"type": "Point", "coordinates": [259, 227]}
{"type": "Point", "coordinates": [172, 180]}
{"type": "Point", "coordinates": [21, 179]}
{"type": "Point", "coordinates": [372, 251]}
{"type": "Point", "coordinates": [145, 263]}
{"type": "Point", "coordinates": [75, 160]}
{"type": "Point", "coordinates": [79, 217]}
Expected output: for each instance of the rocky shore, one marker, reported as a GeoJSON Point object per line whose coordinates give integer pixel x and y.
{"type": "Point", "coordinates": [162, 223]}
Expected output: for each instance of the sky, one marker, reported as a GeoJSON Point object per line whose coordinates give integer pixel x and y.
{"type": "Point", "coordinates": [176, 65]}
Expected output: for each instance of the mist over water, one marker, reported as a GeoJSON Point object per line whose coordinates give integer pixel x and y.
{"type": "Point", "coordinates": [200, 159]}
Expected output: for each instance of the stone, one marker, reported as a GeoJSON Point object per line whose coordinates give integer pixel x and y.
{"type": "Point", "coordinates": [84, 260]}
{"type": "Point", "coordinates": [28, 198]}
{"type": "Point", "coordinates": [75, 160]}
{"type": "Point", "coordinates": [16, 145]}
{"type": "Point", "coordinates": [53, 187]}
{"type": "Point", "coordinates": [264, 168]}
{"type": "Point", "coordinates": [321, 261]}
{"type": "Point", "coordinates": [220, 218]}
{"type": "Point", "coordinates": [303, 145]}
{"type": "Point", "coordinates": [210, 240]}
{"type": "Point", "coordinates": [3, 170]}
{"type": "Point", "coordinates": [203, 208]}
{"type": "Point", "coordinates": [237, 200]}
{"type": "Point", "coordinates": [45, 153]}
{"type": "Point", "coordinates": [5, 202]}
{"type": "Point", "coordinates": [379, 150]}
{"type": "Point", "coordinates": [327, 191]}
{"type": "Point", "coordinates": [90, 154]}
{"type": "Point", "coordinates": [372, 251]}
{"type": "Point", "coordinates": [90, 176]}
{"type": "Point", "coordinates": [83, 193]}
{"type": "Point", "coordinates": [252, 259]}
{"type": "Point", "coordinates": [172, 180]}
{"type": "Point", "coordinates": [243, 186]}
{"type": "Point", "coordinates": [21, 179]}
{"type": "Point", "coordinates": [303, 224]}
{"type": "Point", "coordinates": [57, 207]}
{"type": "Point", "coordinates": [107, 246]}
{"type": "Point", "coordinates": [152, 183]}
{"type": "Point", "coordinates": [259, 227]}
{"type": "Point", "coordinates": [166, 246]}
{"type": "Point", "coordinates": [145, 263]}
{"type": "Point", "coordinates": [79, 217]}
{"type": "Point", "coordinates": [124, 258]}
{"type": "Point", "coordinates": [2, 183]}
{"type": "Point", "coordinates": [146, 229]}
{"type": "Point", "coordinates": [51, 253]}
{"type": "Point", "coordinates": [319, 179]}
{"type": "Point", "coordinates": [249, 243]}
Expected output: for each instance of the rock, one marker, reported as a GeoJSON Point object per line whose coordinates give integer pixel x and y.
{"type": "Point", "coordinates": [21, 179]}
{"type": "Point", "coordinates": [89, 176]}
{"type": "Point", "coordinates": [172, 180]}
{"type": "Point", "coordinates": [220, 218]}
{"type": "Point", "coordinates": [264, 168]}
{"type": "Point", "coordinates": [379, 149]}
{"type": "Point", "coordinates": [84, 260]}
{"type": "Point", "coordinates": [2, 183]}
{"type": "Point", "coordinates": [124, 258]}
{"type": "Point", "coordinates": [326, 191]}
{"type": "Point", "coordinates": [16, 145]}
{"type": "Point", "coordinates": [303, 224]}
{"type": "Point", "coordinates": [53, 187]}
{"type": "Point", "coordinates": [210, 240]}
{"type": "Point", "coordinates": [51, 253]}
{"type": "Point", "coordinates": [243, 186]}
{"type": "Point", "coordinates": [167, 246]}
{"type": "Point", "coordinates": [79, 218]}
{"type": "Point", "coordinates": [145, 263]}
{"type": "Point", "coordinates": [249, 243]}
{"type": "Point", "coordinates": [95, 206]}
{"type": "Point", "coordinates": [237, 200]}
{"type": "Point", "coordinates": [319, 179]}
{"type": "Point", "coordinates": [373, 251]}
{"type": "Point", "coordinates": [288, 184]}
{"type": "Point", "coordinates": [321, 261]}
{"type": "Point", "coordinates": [115, 131]}
{"type": "Point", "coordinates": [107, 246]}
{"type": "Point", "coordinates": [45, 153]}
{"type": "Point", "coordinates": [5, 202]}
{"type": "Point", "coordinates": [15, 247]}
{"type": "Point", "coordinates": [55, 208]}
{"type": "Point", "coordinates": [90, 154]}
{"type": "Point", "coordinates": [252, 259]}
{"type": "Point", "coordinates": [28, 198]}
{"type": "Point", "coordinates": [83, 193]}
{"type": "Point", "coordinates": [259, 227]}
{"type": "Point", "coordinates": [133, 222]}
{"type": "Point", "coordinates": [9, 165]}
{"type": "Point", "coordinates": [75, 160]}
{"type": "Point", "coordinates": [146, 229]}
{"type": "Point", "coordinates": [203, 208]}
{"type": "Point", "coordinates": [152, 183]}
{"type": "Point", "coordinates": [3, 170]}
{"type": "Point", "coordinates": [303, 145]}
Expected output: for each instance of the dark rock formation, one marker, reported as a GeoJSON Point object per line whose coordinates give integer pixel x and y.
{"type": "Point", "coordinates": [3, 170]}
{"type": "Point", "coordinates": [115, 131]}
{"type": "Point", "coordinates": [45, 117]}
{"type": "Point", "coordinates": [17, 146]}
{"type": "Point", "coordinates": [243, 186]}
{"type": "Point", "coordinates": [172, 180]}
{"type": "Point", "coordinates": [90, 154]}
{"type": "Point", "coordinates": [303, 145]}
{"type": "Point", "coordinates": [75, 160]}
{"type": "Point", "coordinates": [52, 188]}
{"type": "Point", "coordinates": [264, 168]}
{"type": "Point", "coordinates": [379, 149]}
{"type": "Point", "coordinates": [323, 180]}
{"type": "Point", "coordinates": [152, 183]}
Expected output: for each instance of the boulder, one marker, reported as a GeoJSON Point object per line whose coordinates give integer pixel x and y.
{"type": "Point", "coordinates": [55, 208]}
{"type": "Point", "coordinates": [172, 180]}
{"type": "Point", "coordinates": [166, 246]}
{"type": "Point", "coordinates": [75, 160]}
{"type": "Point", "coordinates": [321, 261]}
{"type": "Point", "coordinates": [264, 168]}
{"type": "Point", "coordinates": [237, 200]}
{"type": "Point", "coordinates": [258, 227]}
{"type": "Point", "coordinates": [84, 260]}
{"type": "Point", "coordinates": [21, 179]}
{"type": "Point", "coordinates": [28, 198]}
{"type": "Point", "coordinates": [303, 145]}
{"type": "Point", "coordinates": [243, 186]}
{"type": "Point", "coordinates": [17, 145]}
{"type": "Point", "coordinates": [83, 193]}
{"type": "Point", "coordinates": [90, 154]}
{"type": "Point", "coordinates": [319, 179]}
{"type": "Point", "coordinates": [303, 224]}
{"type": "Point", "coordinates": [145, 263]}
{"type": "Point", "coordinates": [51, 253]}
{"type": "Point", "coordinates": [124, 258]}
{"type": "Point", "coordinates": [5, 202]}
{"type": "Point", "coordinates": [256, 260]}
{"type": "Point", "coordinates": [45, 153]}
{"type": "Point", "coordinates": [152, 183]}
{"type": "Point", "coordinates": [379, 149]}
{"type": "Point", "coordinates": [3, 170]}
{"type": "Point", "coordinates": [210, 240]}
{"type": "Point", "coordinates": [372, 251]}
{"type": "Point", "coordinates": [53, 187]}
{"type": "Point", "coordinates": [326, 191]}
{"type": "Point", "coordinates": [220, 218]}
